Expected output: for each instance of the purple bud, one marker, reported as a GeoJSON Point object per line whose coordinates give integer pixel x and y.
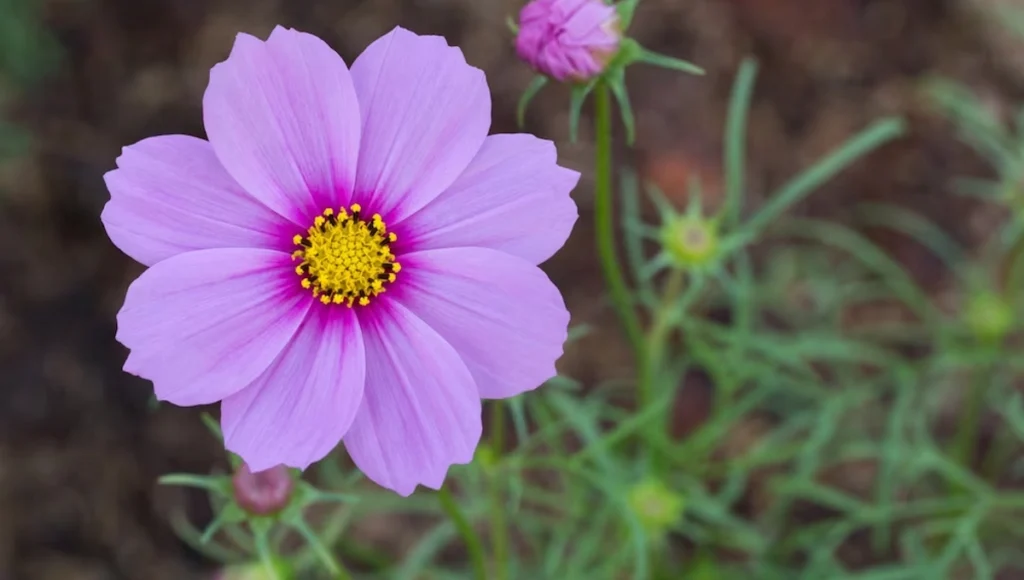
{"type": "Point", "coordinates": [568, 39]}
{"type": "Point", "coordinates": [265, 492]}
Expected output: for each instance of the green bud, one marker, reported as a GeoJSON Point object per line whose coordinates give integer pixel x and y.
{"type": "Point", "coordinates": [690, 241]}
{"type": "Point", "coordinates": [278, 569]}
{"type": "Point", "coordinates": [655, 506]}
{"type": "Point", "coordinates": [989, 316]}
{"type": "Point", "coordinates": [485, 458]}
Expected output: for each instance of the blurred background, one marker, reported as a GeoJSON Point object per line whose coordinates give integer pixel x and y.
{"type": "Point", "coordinates": [80, 445]}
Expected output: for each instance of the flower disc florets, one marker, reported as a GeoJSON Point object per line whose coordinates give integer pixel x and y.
{"type": "Point", "coordinates": [345, 258]}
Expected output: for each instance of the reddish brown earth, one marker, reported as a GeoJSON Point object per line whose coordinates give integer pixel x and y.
{"type": "Point", "coordinates": [79, 448]}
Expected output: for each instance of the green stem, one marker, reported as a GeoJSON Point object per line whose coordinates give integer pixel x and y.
{"type": "Point", "coordinates": [999, 456]}
{"type": "Point", "coordinates": [965, 442]}
{"type": "Point", "coordinates": [499, 528]}
{"type": "Point", "coordinates": [328, 559]}
{"type": "Point", "coordinates": [662, 324]}
{"type": "Point", "coordinates": [605, 229]}
{"type": "Point", "coordinates": [476, 549]}
{"type": "Point", "coordinates": [266, 554]}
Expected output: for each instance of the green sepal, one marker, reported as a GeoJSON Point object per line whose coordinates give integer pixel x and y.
{"type": "Point", "coordinates": [695, 204]}
{"type": "Point", "coordinates": [617, 83]}
{"type": "Point", "coordinates": [626, 9]}
{"type": "Point", "coordinates": [660, 60]}
{"type": "Point", "coordinates": [512, 25]}
{"type": "Point", "coordinates": [629, 52]}
{"type": "Point", "coordinates": [576, 98]}
{"type": "Point", "coordinates": [538, 83]}
{"type": "Point", "coordinates": [218, 484]}
{"type": "Point", "coordinates": [307, 494]}
{"type": "Point", "coordinates": [231, 514]}
{"type": "Point", "coordinates": [666, 210]}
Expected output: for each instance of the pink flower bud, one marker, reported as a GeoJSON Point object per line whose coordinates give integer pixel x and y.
{"type": "Point", "coordinates": [263, 493]}
{"type": "Point", "coordinates": [568, 39]}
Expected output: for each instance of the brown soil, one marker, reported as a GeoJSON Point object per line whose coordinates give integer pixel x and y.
{"type": "Point", "coordinates": [79, 448]}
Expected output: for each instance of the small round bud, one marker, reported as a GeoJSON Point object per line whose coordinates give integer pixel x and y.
{"type": "Point", "coordinates": [690, 241]}
{"type": "Point", "coordinates": [655, 506]}
{"type": "Point", "coordinates": [263, 493]}
{"type": "Point", "coordinates": [568, 39]}
{"type": "Point", "coordinates": [257, 571]}
{"type": "Point", "coordinates": [485, 458]}
{"type": "Point", "coordinates": [989, 316]}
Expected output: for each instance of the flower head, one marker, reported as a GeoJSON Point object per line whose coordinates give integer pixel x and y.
{"type": "Point", "coordinates": [349, 257]}
{"type": "Point", "coordinates": [568, 39]}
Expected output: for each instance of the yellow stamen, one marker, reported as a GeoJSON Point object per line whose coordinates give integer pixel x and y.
{"type": "Point", "coordinates": [346, 259]}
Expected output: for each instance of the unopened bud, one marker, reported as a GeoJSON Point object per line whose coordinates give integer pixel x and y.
{"type": "Point", "coordinates": [989, 316]}
{"type": "Point", "coordinates": [568, 39]}
{"type": "Point", "coordinates": [263, 493]}
{"type": "Point", "coordinates": [690, 241]}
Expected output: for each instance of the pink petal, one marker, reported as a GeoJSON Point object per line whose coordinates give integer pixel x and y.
{"type": "Point", "coordinates": [284, 120]}
{"type": "Point", "coordinates": [299, 409]}
{"type": "Point", "coordinates": [425, 115]}
{"type": "Point", "coordinates": [204, 324]}
{"type": "Point", "coordinates": [170, 194]}
{"type": "Point", "coordinates": [421, 411]}
{"type": "Point", "coordinates": [513, 197]}
{"type": "Point", "coordinates": [502, 314]}
{"type": "Point", "coordinates": [591, 26]}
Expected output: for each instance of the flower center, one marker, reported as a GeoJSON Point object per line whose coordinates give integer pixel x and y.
{"type": "Point", "coordinates": [346, 259]}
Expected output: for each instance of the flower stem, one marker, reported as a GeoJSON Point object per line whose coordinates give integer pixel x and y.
{"type": "Point", "coordinates": [476, 549]}
{"type": "Point", "coordinates": [499, 528]}
{"type": "Point", "coordinates": [663, 323]}
{"type": "Point", "coordinates": [605, 228]}
{"type": "Point", "coordinates": [262, 543]}
{"type": "Point", "coordinates": [965, 442]}
{"type": "Point", "coordinates": [328, 559]}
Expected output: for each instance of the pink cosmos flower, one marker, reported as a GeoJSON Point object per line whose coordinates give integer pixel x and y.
{"type": "Point", "coordinates": [350, 257]}
{"type": "Point", "coordinates": [568, 39]}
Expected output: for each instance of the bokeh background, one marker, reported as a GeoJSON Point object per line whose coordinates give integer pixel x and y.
{"type": "Point", "coordinates": [80, 445]}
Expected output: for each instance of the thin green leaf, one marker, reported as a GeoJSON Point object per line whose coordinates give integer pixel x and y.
{"type": "Point", "coordinates": [577, 97]}
{"type": "Point", "coordinates": [538, 83]}
{"type": "Point", "coordinates": [736, 139]}
{"type": "Point", "coordinates": [212, 425]}
{"type": "Point", "coordinates": [617, 82]}
{"type": "Point", "coordinates": [419, 558]}
{"type": "Point", "coordinates": [668, 62]}
{"type": "Point", "coordinates": [917, 227]}
{"type": "Point", "coordinates": [329, 560]}
{"type": "Point", "coordinates": [216, 485]}
{"type": "Point", "coordinates": [799, 187]}
{"type": "Point", "coordinates": [862, 249]}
